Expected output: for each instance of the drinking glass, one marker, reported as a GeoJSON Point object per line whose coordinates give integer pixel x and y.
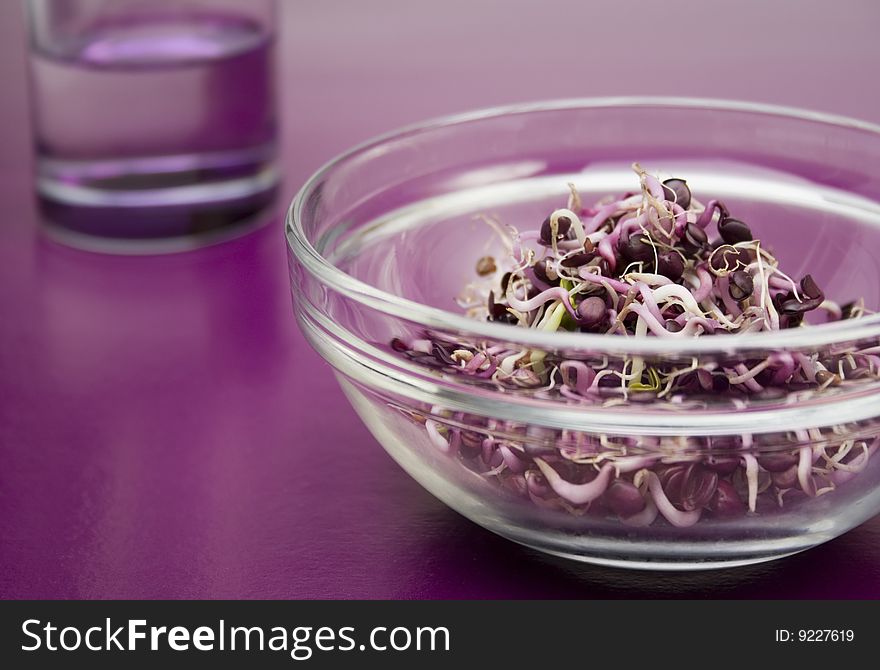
{"type": "Point", "coordinates": [154, 120]}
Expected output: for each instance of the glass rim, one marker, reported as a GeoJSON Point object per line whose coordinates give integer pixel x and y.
{"type": "Point", "coordinates": [435, 318]}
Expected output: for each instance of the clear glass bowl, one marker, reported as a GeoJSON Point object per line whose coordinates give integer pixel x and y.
{"type": "Point", "coordinates": [383, 238]}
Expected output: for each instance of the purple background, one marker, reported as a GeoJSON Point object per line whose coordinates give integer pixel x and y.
{"type": "Point", "coordinates": [165, 432]}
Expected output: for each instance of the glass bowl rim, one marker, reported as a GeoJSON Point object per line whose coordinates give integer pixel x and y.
{"type": "Point", "coordinates": [436, 318]}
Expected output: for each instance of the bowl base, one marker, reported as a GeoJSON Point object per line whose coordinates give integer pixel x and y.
{"type": "Point", "coordinates": [683, 565]}
{"type": "Point", "coordinates": [721, 544]}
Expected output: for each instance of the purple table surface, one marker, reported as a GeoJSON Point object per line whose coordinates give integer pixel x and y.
{"type": "Point", "coordinates": [165, 431]}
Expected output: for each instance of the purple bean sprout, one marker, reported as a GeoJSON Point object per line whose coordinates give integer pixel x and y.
{"type": "Point", "coordinates": [657, 263]}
